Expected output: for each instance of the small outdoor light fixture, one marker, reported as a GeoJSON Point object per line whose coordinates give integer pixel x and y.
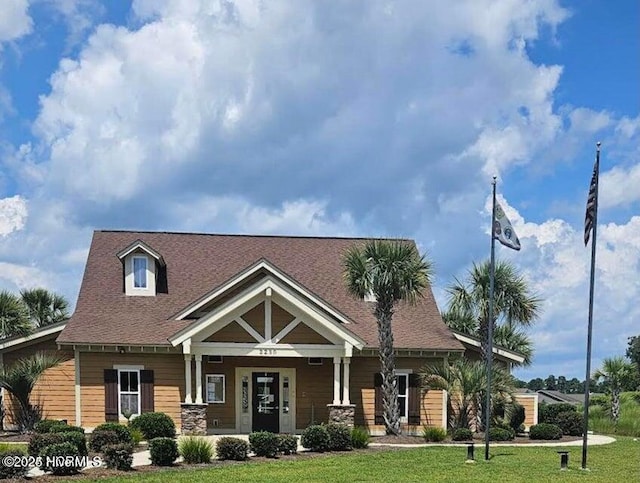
{"type": "Point", "coordinates": [470, 457]}
{"type": "Point", "coordinates": [564, 460]}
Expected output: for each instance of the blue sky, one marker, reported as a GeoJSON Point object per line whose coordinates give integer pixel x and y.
{"type": "Point", "coordinates": [380, 118]}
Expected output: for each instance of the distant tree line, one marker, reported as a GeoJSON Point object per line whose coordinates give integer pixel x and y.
{"type": "Point", "coordinates": [630, 380]}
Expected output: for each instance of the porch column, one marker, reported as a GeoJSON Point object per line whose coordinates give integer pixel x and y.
{"type": "Point", "coordinates": [187, 378]}
{"type": "Point", "coordinates": [345, 381]}
{"type": "Point", "coordinates": [336, 380]}
{"type": "Point", "coordinates": [198, 378]}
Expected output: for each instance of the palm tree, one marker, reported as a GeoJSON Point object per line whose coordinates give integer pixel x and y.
{"type": "Point", "coordinates": [14, 316]}
{"type": "Point", "coordinates": [390, 271]}
{"type": "Point", "coordinates": [615, 371]}
{"type": "Point", "coordinates": [45, 308]}
{"type": "Point", "coordinates": [466, 383]}
{"type": "Point", "coordinates": [19, 380]}
{"type": "Point", "coordinates": [516, 340]}
{"type": "Point", "coordinates": [514, 304]}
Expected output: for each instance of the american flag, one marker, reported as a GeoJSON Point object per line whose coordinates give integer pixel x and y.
{"type": "Point", "coordinates": [592, 201]}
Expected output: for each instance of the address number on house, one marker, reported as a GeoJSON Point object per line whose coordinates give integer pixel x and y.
{"type": "Point", "coordinates": [268, 352]}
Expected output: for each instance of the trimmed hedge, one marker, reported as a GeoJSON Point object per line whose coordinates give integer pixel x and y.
{"type": "Point", "coordinates": [79, 440]}
{"type": "Point", "coordinates": [501, 434]}
{"type": "Point", "coordinates": [44, 425]}
{"type": "Point", "coordinates": [65, 428]}
{"type": "Point", "coordinates": [571, 423]}
{"type": "Point", "coordinates": [39, 441]}
{"type": "Point", "coordinates": [360, 438]}
{"type": "Point", "coordinates": [122, 431]}
{"type": "Point", "coordinates": [229, 448]}
{"type": "Point", "coordinates": [118, 456]}
{"type": "Point", "coordinates": [339, 437]}
{"type": "Point", "coordinates": [101, 438]}
{"type": "Point", "coordinates": [316, 438]}
{"type": "Point", "coordinates": [163, 451]}
{"type": "Point", "coordinates": [462, 434]}
{"type": "Point", "coordinates": [195, 450]}
{"type": "Point", "coordinates": [547, 413]}
{"type": "Point", "coordinates": [264, 443]}
{"type": "Point", "coordinates": [154, 425]}
{"type": "Point", "coordinates": [61, 450]}
{"type": "Point", "coordinates": [433, 433]}
{"type": "Point", "coordinates": [287, 444]}
{"type": "Point", "coordinates": [12, 471]}
{"type": "Point", "coordinates": [545, 431]}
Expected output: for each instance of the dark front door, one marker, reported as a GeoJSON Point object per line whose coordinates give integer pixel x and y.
{"type": "Point", "coordinates": [266, 402]}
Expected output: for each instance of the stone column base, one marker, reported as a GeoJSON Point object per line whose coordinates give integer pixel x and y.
{"type": "Point", "coordinates": [193, 419]}
{"type": "Point", "coordinates": [342, 414]}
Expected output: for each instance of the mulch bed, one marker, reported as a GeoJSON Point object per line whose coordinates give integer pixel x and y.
{"type": "Point", "coordinates": [478, 439]}
{"type": "Point", "coordinates": [13, 437]}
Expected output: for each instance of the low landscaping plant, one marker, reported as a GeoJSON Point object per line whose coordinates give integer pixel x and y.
{"type": "Point", "coordinates": [44, 425]}
{"type": "Point", "coordinates": [547, 413]}
{"type": "Point", "coordinates": [79, 440]}
{"type": "Point", "coordinates": [195, 450]}
{"type": "Point", "coordinates": [102, 437]}
{"type": "Point", "coordinates": [316, 438]}
{"type": "Point", "coordinates": [501, 434]}
{"type": "Point", "coordinates": [339, 437]}
{"type": "Point", "coordinates": [163, 451]}
{"type": "Point", "coordinates": [65, 428]}
{"type": "Point", "coordinates": [287, 444]}
{"type": "Point", "coordinates": [53, 454]}
{"type": "Point", "coordinates": [462, 434]}
{"type": "Point", "coordinates": [545, 431]}
{"type": "Point", "coordinates": [118, 456]}
{"type": "Point", "coordinates": [264, 443]}
{"type": "Point", "coordinates": [136, 436]}
{"type": "Point", "coordinates": [122, 431]}
{"type": "Point", "coordinates": [571, 423]}
{"type": "Point", "coordinates": [360, 438]}
{"type": "Point", "coordinates": [229, 448]}
{"type": "Point", "coordinates": [11, 470]}
{"type": "Point", "coordinates": [433, 434]}
{"type": "Point", "coordinates": [39, 441]}
{"type": "Point", "coordinates": [154, 425]}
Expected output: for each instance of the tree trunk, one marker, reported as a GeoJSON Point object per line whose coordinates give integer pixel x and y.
{"type": "Point", "coordinates": [390, 408]}
{"type": "Point", "coordinates": [615, 404]}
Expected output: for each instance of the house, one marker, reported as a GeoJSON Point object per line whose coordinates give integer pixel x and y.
{"type": "Point", "coordinates": [556, 397]}
{"type": "Point", "coordinates": [232, 334]}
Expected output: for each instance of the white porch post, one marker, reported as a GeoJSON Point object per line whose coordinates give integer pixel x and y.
{"type": "Point", "coordinates": [336, 380]}
{"type": "Point", "coordinates": [187, 379]}
{"type": "Point", "coordinates": [345, 380]}
{"type": "Point", "coordinates": [198, 378]}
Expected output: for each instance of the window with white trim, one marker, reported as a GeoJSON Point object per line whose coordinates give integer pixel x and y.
{"type": "Point", "coordinates": [139, 272]}
{"type": "Point", "coordinates": [215, 388]}
{"type": "Point", "coordinates": [403, 394]}
{"type": "Point", "coordinates": [129, 392]}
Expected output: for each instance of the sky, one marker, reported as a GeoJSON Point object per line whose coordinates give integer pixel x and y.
{"type": "Point", "coordinates": [377, 118]}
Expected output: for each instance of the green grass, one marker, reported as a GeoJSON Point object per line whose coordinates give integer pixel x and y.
{"type": "Point", "coordinates": [628, 424]}
{"type": "Point", "coordinates": [20, 446]}
{"type": "Point", "coordinates": [614, 462]}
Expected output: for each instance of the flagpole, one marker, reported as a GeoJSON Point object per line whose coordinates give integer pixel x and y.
{"type": "Point", "coordinates": [590, 325]}
{"type": "Point", "coordinates": [490, 324]}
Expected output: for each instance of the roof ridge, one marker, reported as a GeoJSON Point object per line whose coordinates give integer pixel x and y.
{"type": "Point", "coordinates": [244, 235]}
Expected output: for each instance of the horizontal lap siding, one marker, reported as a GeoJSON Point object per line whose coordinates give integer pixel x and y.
{"type": "Point", "coordinates": [168, 389]}
{"type": "Point", "coordinates": [363, 393]}
{"type": "Point", "coordinates": [55, 390]}
{"type": "Point", "coordinates": [529, 404]}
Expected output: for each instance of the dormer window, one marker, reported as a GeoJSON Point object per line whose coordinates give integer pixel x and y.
{"type": "Point", "coordinates": [144, 270]}
{"type": "Point", "coordinates": [139, 272]}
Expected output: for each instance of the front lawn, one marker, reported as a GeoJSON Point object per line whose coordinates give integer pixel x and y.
{"type": "Point", "coordinates": [618, 461]}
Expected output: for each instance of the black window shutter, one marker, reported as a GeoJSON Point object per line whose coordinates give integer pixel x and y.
{"type": "Point", "coordinates": [110, 395]}
{"type": "Point", "coordinates": [414, 399]}
{"type": "Point", "coordinates": [377, 384]}
{"type": "Point", "coordinates": [146, 391]}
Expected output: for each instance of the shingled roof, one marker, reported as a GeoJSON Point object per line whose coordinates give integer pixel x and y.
{"type": "Point", "coordinates": [198, 263]}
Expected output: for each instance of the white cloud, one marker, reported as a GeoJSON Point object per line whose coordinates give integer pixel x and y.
{"type": "Point", "coordinates": [19, 276]}
{"type": "Point", "coordinates": [13, 214]}
{"type": "Point", "coordinates": [15, 20]}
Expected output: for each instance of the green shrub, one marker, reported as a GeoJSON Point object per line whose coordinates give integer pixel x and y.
{"type": "Point", "coordinates": [545, 431]}
{"type": "Point", "coordinates": [79, 440]}
{"type": "Point", "coordinates": [339, 437]}
{"type": "Point", "coordinates": [433, 433]}
{"type": "Point", "coordinates": [550, 411]}
{"type": "Point", "coordinates": [101, 438]}
{"type": "Point", "coordinates": [195, 450]}
{"type": "Point", "coordinates": [571, 423]}
{"type": "Point", "coordinates": [65, 428]}
{"type": "Point", "coordinates": [12, 471]}
{"type": "Point", "coordinates": [136, 436]}
{"type": "Point", "coordinates": [122, 431]}
{"type": "Point", "coordinates": [360, 438]}
{"type": "Point", "coordinates": [515, 416]}
{"type": "Point", "coordinates": [501, 434]}
{"type": "Point", "coordinates": [228, 448]}
{"type": "Point", "coordinates": [118, 456]}
{"type": "Point", "coordinates": [287, 444]}
{"type": "Point", "coordinates": [44, 425]}
{"type": "Point", "coordinates": [66, 452]}
{"type": "Point", "coordinates": [154, 425]}
{"type": "Point", "coordinates": [164, 451]}
{"type": "Point", "coordinates": [462, 434]}
{"type": "Point", "coordinates": [600, 400]}
{"type": "Point", "coordinates": [39, 441]}
{"type": "Point", "coordinates": [316, 438]}
{"type": "Point", "coordinates": [264, 443]}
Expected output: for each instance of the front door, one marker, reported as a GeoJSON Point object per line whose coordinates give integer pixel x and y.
{"type": "Point", "coordinates": [266, 401]}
